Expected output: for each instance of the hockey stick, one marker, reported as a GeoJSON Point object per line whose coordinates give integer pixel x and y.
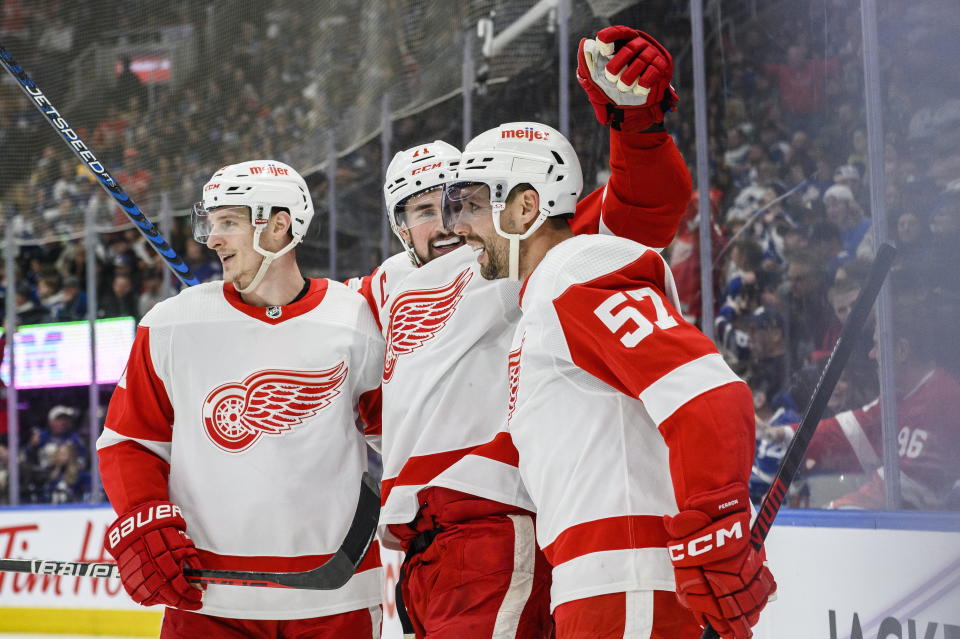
{"type": "Point", "coordinates": [332, 574]}
{"type": "Point", "coordinates": [110, 185]}
{"type": "Point", "coordinates": [797, 449]}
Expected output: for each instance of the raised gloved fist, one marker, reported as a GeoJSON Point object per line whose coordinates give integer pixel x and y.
{"type": "Point", "coordinates": [152, 548]}
{"type": "Point", "coordinates": [720, 577]}
{"type": "Point", "coordinates": [626, 74]}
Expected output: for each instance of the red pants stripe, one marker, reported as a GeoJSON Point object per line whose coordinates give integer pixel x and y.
{"type": "Point", "coordinates": [480, 579]}
{"type": "Point", "coordinates": [356, 624]}
{"type": "Point", "coordinates": [642, 614]}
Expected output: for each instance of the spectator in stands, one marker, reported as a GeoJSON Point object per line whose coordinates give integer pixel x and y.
{"type": "Point", "coordinates": [826, 247]}
{"type": "Point", "coordinates": [128, 82]}
{"type": "Point", "coordinates": [846, 214]}
{"type": "Point", "coordinates": [799, 153]}
{"type": "Point", "coordinates": [858, 153]}
{"type": "Point", "coordinates": [202, 262]}
{"type": "Point", "coordinates": [28, 310]}
{"type": "Point", "coordinates": [913, 238]}
{"type": "Point", "coordinates": [739, 299]}
{"type": "Point", "coordinates": [737, 147]}
{"type": "Point", "coordinates": [14, 22]}
{"type": "Point", "coordinates": [72, 304]}
{"type": "Point", "coordinates": [67, 479]}
{"type": "Point", "coordinates": [684, 255]}
{"type": "Point", "coordinates": [41, 449]}
{"type": "Point", "coordinates": [48, 290]}
{"type": "Point", "coordinates": [805, 305]}
{"type": "Point", "coordinates": [151, 293]}
{"type": "Point", "coordinates": [66, 185]}
{"type": "Point", "coordinates": [800, 81]}
{"type": "Point", "coordinates": [849, 176]}
{"type": "Point", "coordinates": [108, 136]}
{"type": "Point", "coordinates": [120, 300]}
{"type": "Point", "coordinates": [766, 369]}
{"type": "Point", "coordinates": [861, 370]}
{"type": "Point", "coordinates": [943, 257]}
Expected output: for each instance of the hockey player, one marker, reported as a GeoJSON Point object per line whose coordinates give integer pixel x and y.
{"type": "Point", "coordinates": [231, 440]}
{"type": "Point", "coordinates": [472, 569]}
{"type": "Point", "coordinates": [633, 438]}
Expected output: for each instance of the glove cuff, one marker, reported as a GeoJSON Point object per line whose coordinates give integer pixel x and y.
{"type": "Point", "coordinates": [140, 520]}
{"type": "Point", "coordinates": [721, 502]}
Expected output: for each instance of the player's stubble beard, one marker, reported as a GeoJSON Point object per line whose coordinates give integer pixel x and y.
{"type": "Point", "coordinates": [497, 263]}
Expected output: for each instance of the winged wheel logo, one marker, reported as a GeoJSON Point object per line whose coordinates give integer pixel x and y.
{"type": "Point", "coordinates": [269, 402]}
{"type": "Point", "coordinates": [513, 372]}
{"type": "Point", "coordinates": [417, 316]}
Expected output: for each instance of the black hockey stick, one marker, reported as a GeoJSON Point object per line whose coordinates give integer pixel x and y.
{"type": "Point", "coordinates": [332, 574]}
{"type": "Point", "coordinates": [83, 152]}
{"type": "Point", "coordinates": [797, 449]}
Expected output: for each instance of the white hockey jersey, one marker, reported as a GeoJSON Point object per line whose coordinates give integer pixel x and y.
{"type": "Point", "coordinates": [377, 286]}
{"type": "Point", "coordinates": [606, 378]}
{"type": "Point", "coordinates": [444, 386]}
{"type": "Point", "coordinates": [246, 417]}
{"type": "Point", "coordinates": [448, 331]}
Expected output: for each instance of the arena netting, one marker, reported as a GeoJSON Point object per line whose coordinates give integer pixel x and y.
{"type": "Point", "coordinates": [165, 93]}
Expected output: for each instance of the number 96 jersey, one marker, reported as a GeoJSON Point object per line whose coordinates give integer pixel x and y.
{"type": "Point", "coordinates": [603, 369]}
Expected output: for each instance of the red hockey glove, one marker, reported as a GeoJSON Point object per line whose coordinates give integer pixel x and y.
{"type": "Point", "coordinates": [626, 74]}
{"type": "Point", "coordinates": [720, 577]}
{"type": "Point", "coordinates": [152, 548]}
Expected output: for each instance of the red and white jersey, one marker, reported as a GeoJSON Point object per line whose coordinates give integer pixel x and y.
{"type": "Point", "coordinates": [444, 386]}
{"type": "Point", "coordinates": [377, 286]}
{"type": "Point", "coordinates": [247, 418]}
{"type": "Point", "coordinates": [448, 333]}
{"type": "Point", "coordinates": [928, 438]}
{"type": "Point", "coordinates": [611, 393]}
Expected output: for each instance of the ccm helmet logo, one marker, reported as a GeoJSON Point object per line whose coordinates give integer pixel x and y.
{"type": "Point", "coordinates": [706, 543]}
{"type": "Point", "coordinates": [141, 519]}
{"type": "Point", "coordinates": [429, 167]}
{"type": "Point", "coordinates": [210, 187]}
{"type": "Point", "coordinates": [526, 133]}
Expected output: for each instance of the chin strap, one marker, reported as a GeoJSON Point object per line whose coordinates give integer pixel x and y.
{"type": "Point", "coordinates": [514, 238]}
{"type": "Point", "coordinates": [268, 257]}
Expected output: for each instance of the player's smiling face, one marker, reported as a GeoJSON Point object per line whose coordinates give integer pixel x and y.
{"type": "Point", "coordinates": [423, 228]}
{"type": "Point", "coordinates": [474, 222]}
{"type": "Point", "coordinates": [231, 236]}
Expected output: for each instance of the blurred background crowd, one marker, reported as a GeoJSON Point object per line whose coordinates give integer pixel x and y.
{"type": "Point", "coordinates": [165, 94]}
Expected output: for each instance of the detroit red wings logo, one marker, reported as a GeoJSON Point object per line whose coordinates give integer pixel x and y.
{"type": "Point", "coordinates": [513, 372]}
{"type": "Point", "coordinates": [417, 316]}
{"type": "Point", "coordinates": [269, 402]}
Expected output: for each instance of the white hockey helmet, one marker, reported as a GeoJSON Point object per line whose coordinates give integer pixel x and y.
{"type": "Point", "coordinates": [260, 186]}
{"type": "Point", "coordinates": [512, 154]}
{"type": "Point", "coordinates": [412, 172]}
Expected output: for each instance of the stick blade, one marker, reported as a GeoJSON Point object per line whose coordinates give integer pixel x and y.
{"type": "Point", "coordinates": [333, 573]}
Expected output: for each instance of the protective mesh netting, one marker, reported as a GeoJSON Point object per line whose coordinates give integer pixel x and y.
{"type": "Point", "coordinates": [166, 93]}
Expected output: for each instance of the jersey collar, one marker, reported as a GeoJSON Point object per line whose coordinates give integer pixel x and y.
{"type": "Point", "coordinates": [277, 314]}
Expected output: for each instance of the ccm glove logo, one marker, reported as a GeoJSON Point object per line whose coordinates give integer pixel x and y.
{"type": "Point", "coordinates": [714, 539]}
{"type": "Point", "coordinates": [142, 518]}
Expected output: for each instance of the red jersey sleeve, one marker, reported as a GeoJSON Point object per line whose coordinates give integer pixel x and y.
{"type": "Point", "coordinates": [847, 442]}
{"type": "Point", "coordinates": [622, 329]}
{"type": "Point", "coordinates": [647, 193]}
{"type": "Point", "coordinates": [134, 448]}
{"type": "Point", "coordinates": [371, 287]}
